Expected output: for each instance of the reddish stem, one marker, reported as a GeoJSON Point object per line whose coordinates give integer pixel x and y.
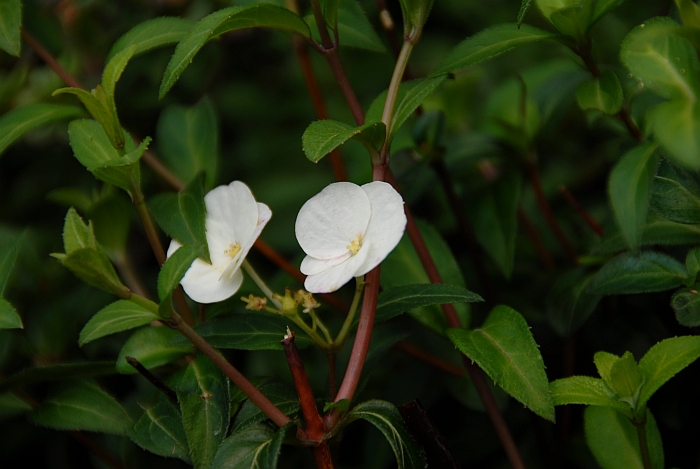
{"type": "Point", "coordinates": [414, 351]}
{"type": "Point", "coordinates": [590, 221]}
{"type": "Point", "coordinates": [546, 211]}
{"type": "Point", "coordinates": [314, 425]}
{"type": "Point", "coordinates": [535, 238]}
{"type": "Point", "coordinates": [53, 64]}
{"type": "Point", "coordinates": [322, 456]}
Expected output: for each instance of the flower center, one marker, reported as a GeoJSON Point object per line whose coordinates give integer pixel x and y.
{"type": "Point", "coordinates": [355, 245]}
{"type": "Point", "coordinates": [232, 250]}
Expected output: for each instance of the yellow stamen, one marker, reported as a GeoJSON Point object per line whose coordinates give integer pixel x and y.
{"type": "Point", "coordinates": [233, 250]}
{"type": "Point", "coordinates": [355, 245]}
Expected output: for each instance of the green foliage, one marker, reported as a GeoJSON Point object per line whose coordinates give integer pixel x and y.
{"type": "Point", "coordinates": [119, 316]}
{"type": "Point", "coordinates": [603, 93]}
{"type": "Point", "coordinates": [322, 137]}
{"type": "Point", "coordinates": [571, 302]}
{"type": "Point", "coordinates": [387, 419]}
{"type": "Point", "coordinates": [10, 25]}
{"type": "Point", "coordinates": [23, 119]}
{"type": "Point", "coordinates": [397, 300]}
{"type": "Point", "coordinates": [505, 349]}
{"type": "Point", "coordinates": [613, 439]}
{"type": "Point", "coordinates": [9, 318]}
{"type": "Point", "coordinates": [645, 271]}
{"type": "Point", "coordinates": [151, 346]}
{"type": "Point", "coordinates": [64, 371]}
{"type": "Point", "coordinates": [250, 415]}
{"type": "Point", "coordinates": [222, 21]}
{"type": "Point", "coordinates": [160, 431]}
{"type": "Point", "coordinates": [82, 406]}
{"type": "Point", "coordinates": [585, 390]}
{"type": "Point", "coordinates": [256, 446]}
{"type": "Point", "coordinates": [354, 30]}
{"type": "Point", "coordinates": [630, 189]}
{"type": "Point", "coordinates": [686, 306]}
{"type": "Point", "coordinates": [675, 194]}
{"type": "Point", "coordinates": [151, 34]}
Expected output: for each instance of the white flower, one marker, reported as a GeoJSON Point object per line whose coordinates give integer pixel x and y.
{"type": "Point", "coordinates": [234, 221]}
{"type": "Point", "coordinates": [346, 231]}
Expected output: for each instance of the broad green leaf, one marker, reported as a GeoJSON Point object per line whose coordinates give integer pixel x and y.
{"type": "Point", "coordinates": [603, 93]}
{"type": "Point", "coordinates": [111, 217]}
{"type": "Point", "coordinates": [629, 188]}
{"type": "Point", "coordinates": [322, 137]}
{"type": "Point", "coordinates": [8, 257]}
{"type": "Point", "coordinates": [119, 316]}
{"type": "Point", "coordinates": [524, 7]}
{"type": "Point", "coordinates": [413, 98]}
{"type": "Point", "coordinates": [676, 126]}
{"type": "Point", "coordinates": [402, 267]}
{"type": "Point", "coordinates": [613, 439]}
{"type": "Point", "coordinates": [255, 447]}
{"type": "Point", "coordinates": [9, 318]}
{"type": "Point", "coordinates": [82, 406]}
{"type": "Point", "coordinates": [284, 399]}
{"type": "Point", "coordinates": [686, 304]}
{"type": "Point", "coordinates": [415, 14]}
{"type": "Point", "coordinates": [354, 30]}
{"type": "Point", "coordinates": [585, 390]}
{"type": "Point", "coordinates": [547, 7]}
{"type": "Point", "coordinates": [330, 13]}
{"type": "Point", "coordinates": [175, 268]}
{"type": "Point", "coordinates": [204, 404]}
{"type": "Point", "coordinates": [93, 267]}
{"type": "Point", "coordinates": [494, 220]}
{"type": "Point", "coordinates": [603, 7]}
{"type": "Point", "coordinates": [604, 362]}
{"type": "Point", "coordinates": [10, 25]}
{"type": "Point", "coordinates": [222, 21]}
{"type": "Point", "coordinates": [626, 378]}
{"type": "Point", "coordinates": [76, 234]}
{"type": "Point", "coordinates": [160, 431]}
{"type": "Point", "coordinates": [662, 60]}
{"type": "Point", "coordinates": [664, 360]}
{"type": "Point", "coordinates": [573, 21]}
{"type": "Point", "coordinates": [505, 349]}
{"type": "Point", "coordinates": [102, 108]}
{"type": "Point", "coordinates": [113, 71]}
{"type": "Point", "coordinates": [689, 13]}
{"type": "Point", "coordinates": [64, 371]}
{"type": "Point", "coordinates": [151, 347]}
{"type": "Point", "coordinates": [386, 417]}
{"type": "Point", "coordinates": [21, 120]}
{"type": "Point", "coordinates": [397, 300]}
{"type": "Point", "coordinates": [247, 330]}
{"type": "Point", "coordinates": [124, 172]}
{"type": "Point", "coordinates": [188, 140]}
{"type": "Point", "coordinates": [657, 231]}
{"type": "Point", "coordinates": [675, 194]}
{"type": "Point", "coordinates": [152, 34]}
{"type": "Point", "coordinates": [570, 302]}
{"type": "Point", "coordinates": [489, 43]}
{"type": "Point", "coordinates": [639, 272]}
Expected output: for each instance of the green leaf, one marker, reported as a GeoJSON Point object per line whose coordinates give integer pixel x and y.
{"type": "Point", "coordinates": [613, 439]}
{"type": "Point", "coordinates": [415, 14]}
{"type": "Point", "coordinates": [322, 137]}
{"type": "Point", "coordinates": [570, 302]}
{"type": "Point", "coordinates": [152, 34]}
{"type": "Point", "coordinates": [689, 13]}
{"type": "Point", "coordinates": [692, 264]}
{"type": "Point", "coordinates": [10, 25]}
{"type": "Point", "coordinates": [603, 93]}
{"type": "Point", "coordinates": [505, 349]}
{"type": "Point", "coordinates": [626, 378]}
{"type": "Point", "coordinates": [257, 447]}
{"type": "Point", "coordinates": [204, 403]}
{"type": "Point", "coordinates": [494, 220]}
{"type": "Point", "coordinates": [102, 108]}
{"type": "Point", "coordinates": [524, 7]}
{"type": "Point", "coordinates": [604, 362]}
{"type": "Point", "coordinates": [547, 7]}
{"type": "Point", "coordinates": [397, 300]}
{"type": "Point", "coordinates": [662, 60]}
{"type": "Point", "coordinates": [21, 120]}
{"type": "Point", "coordinates": [602, 8]}
{"type": "Point", "coordinates": [386, 417]}
{"type": "Point", "coordinates": [8, 257]}
{"type": "Point", "coordinates": [664, 360]}
{"type": "Point", "coordinates": [686, 304]}
{"type": "Point", "coordinates": [246, 330]}
{"type": "Point", "coordinates": [82, 406]}
{"type": "Point", "coordinates": [676, 125]}
{"type": "Point", "coordinates": [489, 43]}
{"type": "Point", "coordinates": [573, 21]}
{"type": "Point", "coordinates": [284, 399]}
{"type": "Point", "coordinates": [330, 13]}
{"type": "Point", "coordinates": [639, 272]}
{"type": "Point", "coordinates": [188, 140]}
{"type": "Point", "coordinates": [63, 371]}
{"type": "Point", "coordinates": [9, 318]}
{"type": "Point", "coordinates": [119, 316]}
{"type": "Point", "coordinates": [11, 406]}
{"type": "Point", "coordinates": [675, 194]}
{"type": "Point", "coordinates": [175, 268]}
{"type": "Point", "coordinates": [222, 21]}
{"type": "Point", "coordinates": [151, 347]}
{"type": "Point", "coordinates": [160, 431]}
{"type": "Point", "coordinates": [113, 71]}
{"type": "Point", "coordinates": [94, 268]}
{"type": "Point", "coordinates": [76, 234]}
{"type": "Point", "coordinates": [629, 188]}
{"type": "Point", "coordinates": [657, 231]}
{"type": "Point", "coordinates": [354, 30]}
{"type": "Point", "coordinates": [414, 97]}
{"type": "Point", "coordinates": [585, 390]}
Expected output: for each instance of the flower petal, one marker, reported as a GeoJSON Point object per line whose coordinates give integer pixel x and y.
{"type": "Point", "coordinates": [311, 265]}
{"type": "Point", "coordinates": [332, 279]}
{"type": "Point", "coordinates": [329, 221]}
{"type": "Point", "coordinates": [235, 208]}
{"type": "Point", "coordinates": [265, 214]}
{"type": "Point", "coordinates": [386, 225]}
{"type": "Point", "coordinates": [204, 284]}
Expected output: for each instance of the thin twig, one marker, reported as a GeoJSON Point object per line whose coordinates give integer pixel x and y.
{"type": "Point", "coordinates": [421, 355]}
{"type": "Point", "coordinates": [590, 221]}
{"type": "Point", "coordinates": [53, 64]}
{"type": "Point", "coordinates": [153, 379]}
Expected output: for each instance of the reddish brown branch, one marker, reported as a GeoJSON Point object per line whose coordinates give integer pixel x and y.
{"type": "Point", "coordinates": [421, 355]}
{"type": "Point", "coordinates": [53, 64]}
{"type": "Point", "coordinates": [535, 238]}
{"type": "Point", "coordinates": [546, 211]}
{"type": "Point", "coordinates": [590, 221]}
